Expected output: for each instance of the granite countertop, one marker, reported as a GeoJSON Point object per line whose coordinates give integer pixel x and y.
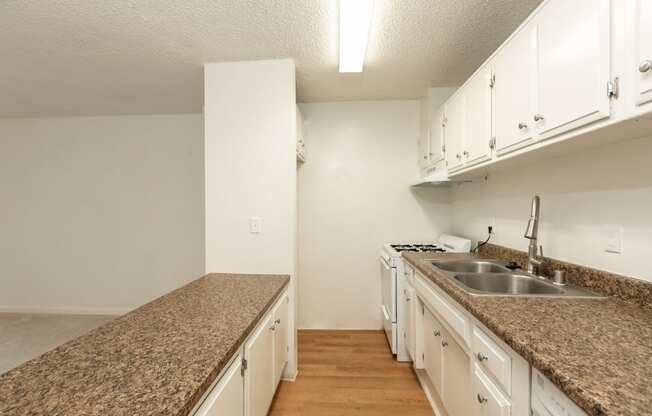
{"type": "Point", "coordinates": [156, 360]}
{"type": "Point", "coordinates": [599, 352]}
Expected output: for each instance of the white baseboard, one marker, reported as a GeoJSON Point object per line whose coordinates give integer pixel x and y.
{"type": "Point", "coordinates": [62, 310]}
{"type": "Point", "coordinates": [292, 378]}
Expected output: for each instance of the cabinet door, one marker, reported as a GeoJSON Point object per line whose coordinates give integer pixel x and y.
{"type": "Point", "coordinates": [432, 349]}
{"type": "Point", "coordinates": [512, 93]}
{"type": "Point", "coordinates": [259, 375]}
{"type": "Point", "coordinates": [410, 319]}
{"type": "Point", "coordinates": [280, 338]}
{"type": "Point", "coordinates": [454, 131]}
{"type": "Point", "coordinates": [489, 401]}
{"type": "Point", "coordinates": [643, 45]}
{"type": "Point", "coordinates": [437, 137]}
{"type": "Point", "coordinates": [573, 65]}
{"type": "Point", "coordinates": [227, 397]}
{"type": "Point", "coordinates": [456, 393]}
{"type": "Point", "coordinates": [477, 117]}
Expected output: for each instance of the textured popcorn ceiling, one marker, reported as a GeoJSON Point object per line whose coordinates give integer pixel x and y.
{"type": "Point", "coordinates": [79, 57]}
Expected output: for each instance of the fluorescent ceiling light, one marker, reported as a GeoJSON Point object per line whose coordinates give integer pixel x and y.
{"type": "Point", "coordinates": [355, 20]}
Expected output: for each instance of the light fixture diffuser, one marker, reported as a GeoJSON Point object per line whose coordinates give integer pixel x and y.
{"type": "Point", "coordinates": [355, 20]}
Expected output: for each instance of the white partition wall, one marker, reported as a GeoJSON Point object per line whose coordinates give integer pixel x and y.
{"type": "Point", "coordinates": [250, 166]}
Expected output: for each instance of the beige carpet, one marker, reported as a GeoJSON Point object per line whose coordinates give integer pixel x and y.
{"type": "Point", "coordinates": [26, 336]}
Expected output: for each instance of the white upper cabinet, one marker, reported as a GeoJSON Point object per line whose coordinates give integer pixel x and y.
{"type": "Point", "coordinates": [573, 65]}
{"type": "Point", "coordinates": [513, 93]}
{"type": "Point", "coordinates": [476, 95]}
{"type": "Point", "coordinates": [436, 152]}
{"type": "Point", "coordinates": [454, 126]}
{"type": "Point", "coordinates": [643, 51]}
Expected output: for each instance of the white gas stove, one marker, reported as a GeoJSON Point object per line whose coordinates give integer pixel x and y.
{"type": "Point", "coordinates": [393, 281]}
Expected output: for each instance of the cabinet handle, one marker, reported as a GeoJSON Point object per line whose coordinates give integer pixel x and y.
{"type": "Point", "coordinates": [425, 157]}
{"type": "Point", "coordinates": [481, 357]}
{"type": "Point", "coordinates": [466, 153]}
{"type": "Point", "coordinates": [408, 299]}
{"type": "Point", "coordinates": [277, 322]}
{"type": "Point", "coordinates": [272, 328]}
{"type": "Point", "coordinates": [458, 156]}
{"type": "Point", "coordinates": [522, 126]}
{"type": "Point", "coordinates": [436, 333]}
{"type": "Point", "coordinates": [538, 117]}
{"type": "Point", "coordinates": [444, 344]}
{"type": "Point", "coordinates": [481, 399]}
{"type": "Point", "coordinates": [645, 66]}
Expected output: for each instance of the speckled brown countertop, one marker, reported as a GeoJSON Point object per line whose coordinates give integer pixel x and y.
{"type": "Point", "coordinates": [156, 360]}
{"type": "Point", "coordinates": [599, 352]}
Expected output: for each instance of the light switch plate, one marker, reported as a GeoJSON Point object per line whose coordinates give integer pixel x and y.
{"type": "Point", "coordinates": [614, 239]}
{"type": "Point", "coordinates": [255, 225]}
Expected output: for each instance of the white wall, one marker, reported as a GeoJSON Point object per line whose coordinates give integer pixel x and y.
{"type": "Point", "coordinates": [354, 195]}
{"type": "Point", "coordinates": [99, 214]}
{"type": "Point", "coordinates": [250, 138]}
{"type": "Point", "coordinates": [583, 196]}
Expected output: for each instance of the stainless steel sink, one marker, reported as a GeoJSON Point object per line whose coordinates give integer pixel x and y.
{"type": "Point", "coordinates": [470, 266]}
{"type": "Point", "coordinates": [507, 284]}
{"type": "Point", "coordinates": [492, 278]}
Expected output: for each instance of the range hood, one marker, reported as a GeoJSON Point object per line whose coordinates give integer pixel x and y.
{"type": "Point", "coordinates": [437, 178]}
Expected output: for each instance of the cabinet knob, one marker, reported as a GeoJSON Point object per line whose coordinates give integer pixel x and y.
{"type": "Point", "coordinates": [466, 153]}
{"type": "Point", "coordinates": [425, 157]}
{"type": "Point", "coordinates": [277, 322]}
{"type": "Point", "coordinates": [436, 333]}
{"type": "Point", "coordinates": [645, 66]}
{"type": "Point", "coordinates": [481, 357]}
{"type": "Point", "coordinates": [481, 399]}
{"type": "Point", "coordinates": [522, 126]}
{"type": "Point", "coordinates": [444, 344]}
{"type": "Point", "coordinates": [538, 117]}
{"type": "Point", "coordinates": [458, 156]}
{"type": "Point", "coordinates": [408, 299]}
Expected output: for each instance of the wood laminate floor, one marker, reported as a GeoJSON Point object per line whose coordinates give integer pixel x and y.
{"type": "Point", "coordinates": [344, 373]}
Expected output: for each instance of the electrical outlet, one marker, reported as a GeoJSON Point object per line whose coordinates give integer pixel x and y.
{"type": "Point", "coordinates": [255, 225]}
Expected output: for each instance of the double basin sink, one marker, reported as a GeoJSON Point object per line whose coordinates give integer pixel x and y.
{"type": "Point", "coordinates": [492, 278]}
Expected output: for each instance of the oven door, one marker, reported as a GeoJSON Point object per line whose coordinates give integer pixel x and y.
{"type": "Point", "coordinates": [388, 306]}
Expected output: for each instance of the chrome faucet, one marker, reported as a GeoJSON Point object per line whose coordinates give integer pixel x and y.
{"type": "Point", "coordinates": [534, 259]}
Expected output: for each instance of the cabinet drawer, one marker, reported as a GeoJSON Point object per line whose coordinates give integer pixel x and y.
{"type": "Point", "coordinates": [488, 399]}
{"type": "Point", "coordinates": [492, 358]}
{"type": "Point", "coordinates": [450, 314]}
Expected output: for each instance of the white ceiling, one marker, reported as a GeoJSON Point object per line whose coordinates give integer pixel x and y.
{"type": "Point", "coordinates": [85, 57]}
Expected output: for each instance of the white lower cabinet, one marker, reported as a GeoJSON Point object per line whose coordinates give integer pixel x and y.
{"type": "Point", "coordinates": [281, 344]}
{"type": "Point", "coordinates": [247, 387]}
{"type": "Point", "coordinates": [468, 370]}
{"type": "Point", "coordinates": [227, 397]}
{"type": "Point", "coordinates": [456, 383]}
{"type": "Point", "coordinates": [259, 379]}
{"type": "Point", "coordinates": [489, 400]}
{"type": "Point", "coordinates": [410, 319]}
{"type": "Point", "coordinates": [432, 349]}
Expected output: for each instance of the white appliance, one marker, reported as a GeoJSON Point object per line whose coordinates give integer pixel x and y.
{"type": "Point", "coordinates": [548, 400]}
{"type": "Point", "coordinates": [392, 276]}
